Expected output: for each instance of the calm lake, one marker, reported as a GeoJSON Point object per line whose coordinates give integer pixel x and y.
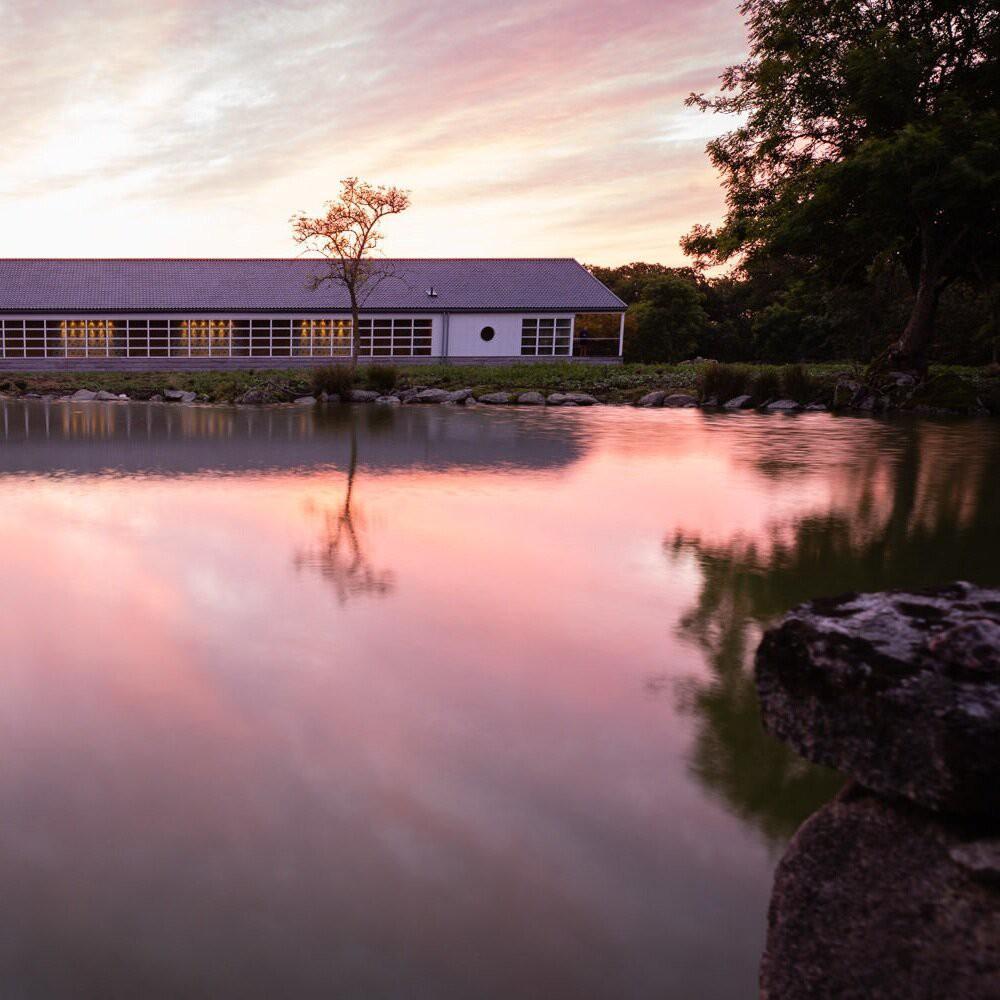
{"type": "Point", "coordinates": [425, 702]}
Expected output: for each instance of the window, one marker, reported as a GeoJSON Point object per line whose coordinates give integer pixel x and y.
{"type": "Point", "coordinates": [399, 338]}
{"type": "Point", "coordinates": [544, 335]}
{"type": "Point", "coordinates": [204, 337]}
{"type": "Point", "coordinates": [487, 333]}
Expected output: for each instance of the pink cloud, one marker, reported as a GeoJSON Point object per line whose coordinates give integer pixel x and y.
{"type": "Point", "coordinates": [197, 128]}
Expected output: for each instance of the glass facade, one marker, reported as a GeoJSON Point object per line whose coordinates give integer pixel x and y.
{"type": "Point", "coordinates": [267, 337]}
{"type": "Point", "coordinates": [546, 335]}
{"type": "Point", "coordinates": [252, 337]}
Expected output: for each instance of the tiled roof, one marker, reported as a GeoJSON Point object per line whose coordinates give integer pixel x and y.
{"type": "Point", "coordinates": [276, 285]}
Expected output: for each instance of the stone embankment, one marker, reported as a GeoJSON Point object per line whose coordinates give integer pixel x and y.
{"type": "Point", "coordinates": [893, 889]}
{"type": "Point", "coordinates": [272, 394]}
{"type": "Point", "coordinates": [943, 394]}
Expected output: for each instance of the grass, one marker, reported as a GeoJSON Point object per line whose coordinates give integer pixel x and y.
{"type": "Point", "coordinates": [610, 383]}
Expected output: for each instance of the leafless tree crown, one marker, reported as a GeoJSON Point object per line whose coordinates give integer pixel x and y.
{"type": "Point", "coordinates": [348, 234]}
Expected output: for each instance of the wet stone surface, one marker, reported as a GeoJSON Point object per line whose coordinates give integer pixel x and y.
{"type": "Point", "coordinates": [901, 691]}
{"type": "Point", "coordinates": [878, 899]}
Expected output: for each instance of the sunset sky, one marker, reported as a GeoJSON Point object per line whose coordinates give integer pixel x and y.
{"type": "Point", "coordinates": [522, 128]}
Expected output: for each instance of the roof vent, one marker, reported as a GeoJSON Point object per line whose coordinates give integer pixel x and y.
{"type": "Point", "coordinates": [432, 292]}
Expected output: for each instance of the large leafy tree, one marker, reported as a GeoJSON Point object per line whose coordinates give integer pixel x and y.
{"type": "Point", "coordinates": [668, 321]}
{"type": "Point", "coordinates": [868, 131]}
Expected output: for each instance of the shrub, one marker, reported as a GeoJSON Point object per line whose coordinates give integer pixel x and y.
{"type": "Point", "coordinates": [332, 379]}
{"type": "Point", "coordinates": [724, 382]}
{"type": "Point", "coordinates": [225, 390]}
{"type": "Point", "coordinates": [798, 384]}
{"type": "Point", "coordinates": [948, 391]}
{"type": "Point", "coordinates": [381, 378]}
{"type": "Point", "coordinates": [765, 385]}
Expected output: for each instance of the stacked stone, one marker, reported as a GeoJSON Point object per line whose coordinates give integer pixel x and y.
{"type": "Point", "coordinates": [893, 889]}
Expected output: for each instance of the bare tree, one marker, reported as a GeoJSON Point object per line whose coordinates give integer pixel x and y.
{"type": "Point", "coordinates": [348, 235]}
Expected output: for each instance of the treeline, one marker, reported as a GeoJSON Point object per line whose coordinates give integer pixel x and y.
{"type": "Point", "coordinates": [676, 313]}
{"type": "Point", "coordinates": [862, 183]}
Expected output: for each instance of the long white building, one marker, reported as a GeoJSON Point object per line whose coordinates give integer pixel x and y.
{"type": "Point", "coordinates": [64, 313]}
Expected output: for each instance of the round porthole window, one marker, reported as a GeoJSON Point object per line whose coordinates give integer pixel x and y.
{"type": "Point", "coordinates": [487, 333]}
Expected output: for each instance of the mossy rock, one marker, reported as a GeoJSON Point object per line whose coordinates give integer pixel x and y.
{"type": "Point", "coordinates": [947, 391]}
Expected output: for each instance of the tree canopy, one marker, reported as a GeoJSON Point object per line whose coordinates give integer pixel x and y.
{"type": "Point", "coordinates": [869, 135]}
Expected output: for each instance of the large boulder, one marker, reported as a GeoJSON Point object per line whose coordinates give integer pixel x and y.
{"type": "Point", "coordinates": [363, 395]}
{"type": "Point", "coordinates": [531, 399]}
{"type": "Point", "coordinates": [739, 403]}
{"type": "Point", "coordinates": [783, 406]}
{"type": "Point", "coordinates": [899, 690]}
{"type": "Point", "coordinates": [877, 899]}
{"type": "Point", "coordinates": [83, 396]}
{"type": "Point", "coordinates": [495, 398]}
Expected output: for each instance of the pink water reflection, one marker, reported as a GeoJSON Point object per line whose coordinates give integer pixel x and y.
{"type": "Point", "coordinates": [220, 776]}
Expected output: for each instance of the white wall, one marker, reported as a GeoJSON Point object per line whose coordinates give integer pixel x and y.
{"type": "Point", "coordinates": [464, 340]}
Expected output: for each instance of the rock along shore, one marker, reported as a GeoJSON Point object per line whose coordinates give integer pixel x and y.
{"type": "Point", "coordinates": [900, 393]}
{"type": "Point", "coordinates": [893, 889]}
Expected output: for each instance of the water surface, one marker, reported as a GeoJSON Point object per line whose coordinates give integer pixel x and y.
{"type": "Point", "coordinates": [425, 702]}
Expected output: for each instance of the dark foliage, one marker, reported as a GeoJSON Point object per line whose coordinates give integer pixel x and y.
{"type": "Point", "coordinates": [332, 379]}
{"type": "Point", "coordinates": [381, 378]}
{"type": "Point", "coordinates": [869, 142]}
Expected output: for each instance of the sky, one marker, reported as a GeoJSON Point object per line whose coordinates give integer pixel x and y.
{"type": "Point", "coordinates": [133, 128]}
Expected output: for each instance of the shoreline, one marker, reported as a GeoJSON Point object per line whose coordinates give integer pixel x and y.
{"type": "Point", "coordinates": [831, 387]}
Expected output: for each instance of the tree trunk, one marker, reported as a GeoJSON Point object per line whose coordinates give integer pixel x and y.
{"type": "Point", "coordinates": [909, 352]}
{"type": "Point", "coordinates": [355, 331]}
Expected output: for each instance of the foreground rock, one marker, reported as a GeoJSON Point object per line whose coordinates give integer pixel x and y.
{"type": "Point", "coordinates": [739, 403]}
{"type": "Point", "coordinates": [783, 406]}
{"type": "Point", "coordinates": [879, 900]}
{"type": "Point", "coordinates": [531, 399]}
{"type": "Point", "coordinates": [899, 690]}
{"type": "Point", "coordinates": [495, 398]}
{"type": "Point", "coordinates": [892, 890]}
{"type": "Point", "coordinates": [83, 396]}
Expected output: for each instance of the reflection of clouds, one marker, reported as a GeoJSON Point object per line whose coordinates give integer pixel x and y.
{"type": "Point", "coordinates": [248, 113]}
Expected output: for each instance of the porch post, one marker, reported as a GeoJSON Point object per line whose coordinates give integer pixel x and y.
{"type": "Point", "coordinates": [621, 336]}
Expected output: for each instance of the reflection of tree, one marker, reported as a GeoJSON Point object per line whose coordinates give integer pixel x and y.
{"type": "Point", "coordinates": [925, 515]}
{"type": "Point", "coordinates": [340, 556]}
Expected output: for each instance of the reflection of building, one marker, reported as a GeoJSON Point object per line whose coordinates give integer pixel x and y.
{"type": "Point", "coordinates": [86, 438]}
{"type": "Point", "coordinates": [227, 313]}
